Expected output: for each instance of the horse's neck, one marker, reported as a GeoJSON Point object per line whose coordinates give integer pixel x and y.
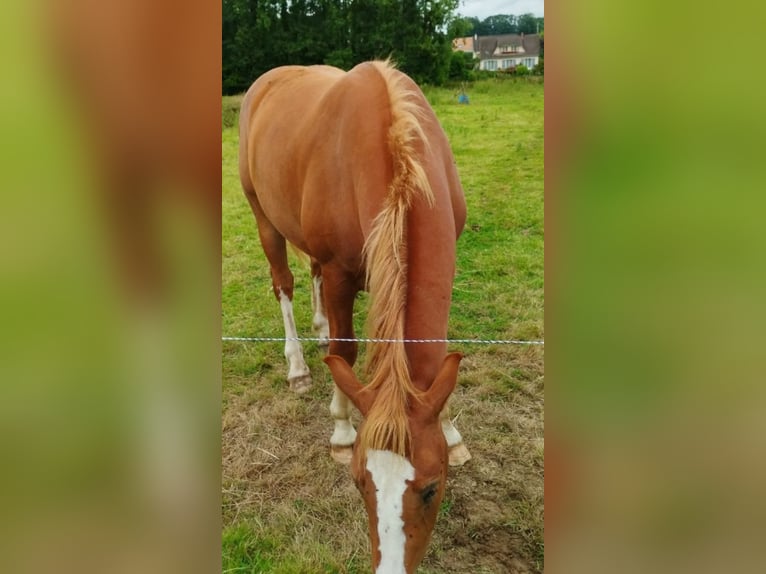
{"type": "Point", "coordinates": [431, 269]}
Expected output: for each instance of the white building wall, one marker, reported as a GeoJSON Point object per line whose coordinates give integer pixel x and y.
{"type": "Point", "coordinates": [495, 64]}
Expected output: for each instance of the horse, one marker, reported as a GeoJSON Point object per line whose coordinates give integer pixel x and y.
{"type": "Point", "coordinates": [354, 170]}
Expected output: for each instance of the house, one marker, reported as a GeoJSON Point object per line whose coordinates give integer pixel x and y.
{"type": "Point", "coordinates": [503, 52]}
{"type": "Point", "coordinates": [463, 44]}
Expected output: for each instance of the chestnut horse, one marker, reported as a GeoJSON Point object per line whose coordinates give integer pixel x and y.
{"type": "Point", "coordinates": [354, 169]}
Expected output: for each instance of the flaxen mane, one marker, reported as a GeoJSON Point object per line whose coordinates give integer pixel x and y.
{"type": "Point", "coordinates": [386, 425]}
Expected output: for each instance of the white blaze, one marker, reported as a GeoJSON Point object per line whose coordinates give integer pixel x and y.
{"type": "Point", "coordinates": [390, 473]}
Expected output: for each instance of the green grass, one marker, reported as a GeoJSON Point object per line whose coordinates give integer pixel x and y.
{"type": "Point", "coordinates": [230, 111]}
{"type": "Point", "coordinates": [287, 507]}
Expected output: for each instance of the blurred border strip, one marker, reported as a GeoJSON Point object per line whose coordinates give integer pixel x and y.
{"type": "Point", "coordinates": [654, 311]}
{"type": "Point", "coordinates": [109, 381]}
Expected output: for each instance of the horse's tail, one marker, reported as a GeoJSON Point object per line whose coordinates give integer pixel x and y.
{"type": "Point", "coordinates": [385, 252]}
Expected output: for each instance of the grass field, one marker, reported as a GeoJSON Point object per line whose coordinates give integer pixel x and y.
{"type": "Point", "coordinates": [287, 507]}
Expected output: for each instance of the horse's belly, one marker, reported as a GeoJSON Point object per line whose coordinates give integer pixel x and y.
{"type": "Point", "coordinates": [280, 209]}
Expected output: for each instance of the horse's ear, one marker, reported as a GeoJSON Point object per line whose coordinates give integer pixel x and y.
{"type": "Point", "coordinates": [444, 383]}
{"type": "Point", "coordinates": [347, 382]}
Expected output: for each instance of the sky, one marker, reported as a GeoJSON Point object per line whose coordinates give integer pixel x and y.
{"type": "Point", "coordinates": [483, 8]}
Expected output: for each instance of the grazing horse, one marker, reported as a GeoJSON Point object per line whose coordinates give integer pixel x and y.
{"type": "Point", "coordinates": [354, 169]}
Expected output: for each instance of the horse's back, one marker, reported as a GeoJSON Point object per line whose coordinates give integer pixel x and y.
{"type": "Point", "coordinates": [275, 113]}
{"type": "Point", "coordinates": [315, 151]}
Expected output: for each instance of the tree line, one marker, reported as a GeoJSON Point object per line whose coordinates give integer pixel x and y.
{"type": "Point", "coordinates": [261, 34]}
{"type": "Point", "coordinates": [501, 24]}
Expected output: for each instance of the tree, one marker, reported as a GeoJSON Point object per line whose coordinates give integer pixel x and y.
{"type": "Point", "coordinates": [497, 24]}
{"type": "Point", "coordinates": [527, 24]}
{"type": "Point", "coordinates": [540, 68]}
{"type": "Point", "coordinates": [505, 24]}
{"type": "Point", "coordinates": [245, 54]}
{"type": "Point", "coordinates": [261, 34]}
{"type": "Point", "coordinates": [460, 27]}
{"type": "Point", "coordinates": [461, 66]}
{"type": "Point", "coordinates": [426, 54]}
{"type": "Point", "coordinates": [474, 23]}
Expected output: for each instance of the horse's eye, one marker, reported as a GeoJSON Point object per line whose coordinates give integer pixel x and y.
{"type": "Point", "coordinates": [428, 492]}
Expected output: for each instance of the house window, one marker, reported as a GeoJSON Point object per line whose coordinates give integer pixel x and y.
{"type": "Point", "coordinates": [491, 65]}
{"type": "Point", "coordinates": [529, 62]}
{"type": "Point", "coordinates": [507, 64]}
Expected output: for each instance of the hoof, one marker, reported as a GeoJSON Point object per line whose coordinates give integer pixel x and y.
{"type": "Point", "coordinates": [300, 384]}
{"type": "Point", "coordinates": [341, 454]}
{"type": "Point", "coordinates": [459, 455]}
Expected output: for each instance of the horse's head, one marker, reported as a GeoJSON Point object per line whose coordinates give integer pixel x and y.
{"type": "Point", "coordinates": [402, 493]}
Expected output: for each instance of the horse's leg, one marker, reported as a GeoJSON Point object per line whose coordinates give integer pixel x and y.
{"type": "Point", "coordinates": [320, 323]}
{"type": "Point", "coordinates": [339, 294]}
{"type": "Point", "coordinates": [275, 248]}
{"type": "Point", "coordinates": [458, 452]}
{"type": "Point", "coordinates": [298, 375]}
{"type": "Point", "coordinates": [344, 435]}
